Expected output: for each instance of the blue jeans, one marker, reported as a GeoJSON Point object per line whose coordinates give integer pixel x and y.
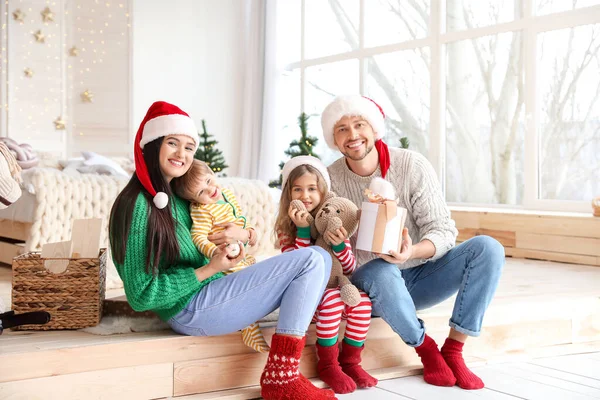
{"type": "Point", "coordinates": [472, 269]}
{"type": "Point", "coordinates": [293, 281]}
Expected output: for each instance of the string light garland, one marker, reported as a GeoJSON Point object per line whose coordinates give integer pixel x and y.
{"type": "Point", "coordinates": [76, 39]}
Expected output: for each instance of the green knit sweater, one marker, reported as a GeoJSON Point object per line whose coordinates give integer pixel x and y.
{"type": "Point", "coordinates": [168, 292]}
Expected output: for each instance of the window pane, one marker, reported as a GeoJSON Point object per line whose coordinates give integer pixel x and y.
{"type": "Point", "coordinates": [399, 82]}
{"type": "Point", "coordinates": [331, 27]}
{"type": "Point", "coordinates": [569, 113]}
{"type": "Point", "coordinates": [288, 31]}
{"type": "Point", "coordinates": [466, 14]}
{"type": "Point", "coordinates": [393, 21]}
{"type": "Point", "coordinates": [554, 6]}
{"type": "Point", "coordinates": [484, 120]}
{"type": "Point", "coordinates": [323, 83]}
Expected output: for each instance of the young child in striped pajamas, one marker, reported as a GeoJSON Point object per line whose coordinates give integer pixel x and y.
{"type": "Point", "coordinates": [211, 209]}
{"type": "Point", "coordinates": [306, 179]}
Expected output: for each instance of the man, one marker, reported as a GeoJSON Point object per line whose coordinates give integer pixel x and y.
{"type": "Point", "coordinates": [428, 269]}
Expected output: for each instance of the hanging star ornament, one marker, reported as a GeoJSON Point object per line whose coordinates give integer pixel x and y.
{"type": "Point", "coordinates": [19, 15]}
{"type": "Point", "coordinates": [47, 15]}
{"type": "Point", "coordinates": [73, 51]}
{"type": "Point", "coordinates": [59, 124]}
{"type": "Point", "coordinates": [87, 96]}
{"type": "Point", "coordinates": [39, 37]}
{"type": "Point", "coordinates": [28, 72]}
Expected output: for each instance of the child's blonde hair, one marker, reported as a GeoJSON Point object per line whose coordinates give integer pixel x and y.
{"type": "Point", "coordinates": [283, 224]}
{"type": "Point", "coordinates": [184, 185]}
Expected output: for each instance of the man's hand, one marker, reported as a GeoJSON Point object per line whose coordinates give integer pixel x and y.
{"type": "Point", "coordinates": [232, 233]}
{"type": "Point", "coordinates": [337, 237]}
{"type": "Point", "coordinates": [299, 217]}
{"type": "Point", "coordinates": [406, 250]}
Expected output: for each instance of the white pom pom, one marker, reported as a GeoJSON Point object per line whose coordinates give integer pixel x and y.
{"type": "Point", "coordinates": [383, 188]}
{"type": "Point", "coordinates": [233, 250]}
{"type": "Point", "coordinates": [161, 200]}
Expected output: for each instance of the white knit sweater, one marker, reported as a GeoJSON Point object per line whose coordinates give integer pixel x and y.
{"type": "Point", "coordinates": [418, 191]}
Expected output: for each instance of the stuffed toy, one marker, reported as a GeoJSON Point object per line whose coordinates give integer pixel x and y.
{"type": "Point", "coordinates": [10, 177]}
{"type": "Point", "coordinates": [334, 213]}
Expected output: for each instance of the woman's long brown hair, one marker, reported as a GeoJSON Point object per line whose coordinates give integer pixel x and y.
{"type": "Point", "coordinates": [161, 239]}
{"type": "Point", "coordinates": [284, 224]}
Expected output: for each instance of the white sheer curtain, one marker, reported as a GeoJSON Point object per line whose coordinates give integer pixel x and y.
{"type": "Point", "coordinates": [257, 127]}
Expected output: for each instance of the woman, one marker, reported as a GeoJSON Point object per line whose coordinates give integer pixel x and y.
{"type": "Point", "coordinates": [163, 271]}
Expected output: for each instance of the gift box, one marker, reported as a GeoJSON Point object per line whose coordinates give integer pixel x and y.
{"type": "Point", "coordinates": [380, 227]}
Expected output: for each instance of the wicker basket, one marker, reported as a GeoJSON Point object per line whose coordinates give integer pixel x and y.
{"type": "Point", "coordinates": [74, 298]}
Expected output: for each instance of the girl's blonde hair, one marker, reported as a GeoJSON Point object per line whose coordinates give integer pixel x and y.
{"type": "Point", "coordinates": [283, 224]}
{"type": "Point", "coordinates": [185, 185]}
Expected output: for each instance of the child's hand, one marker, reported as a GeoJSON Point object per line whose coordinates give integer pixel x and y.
{"type": "Point", "coordinates": [336, 237]}
{"type": "Point", "coordinates": [299, 217]}
{"type": "Point", "coordinates": [221, 261]}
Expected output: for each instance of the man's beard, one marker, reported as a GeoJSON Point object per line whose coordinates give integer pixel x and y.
{"type": "Point", "coordinates": [359, 157]}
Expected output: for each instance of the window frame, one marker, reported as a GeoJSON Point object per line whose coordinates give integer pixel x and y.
{"type": "Point", "coordinates": [529, 25]}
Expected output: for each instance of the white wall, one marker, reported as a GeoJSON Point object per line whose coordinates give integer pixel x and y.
{"type": "Point", "coordinates": [187, 53]}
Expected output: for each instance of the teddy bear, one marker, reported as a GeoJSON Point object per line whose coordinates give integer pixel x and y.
{"type": "Point", "coordinates": [334, 213]}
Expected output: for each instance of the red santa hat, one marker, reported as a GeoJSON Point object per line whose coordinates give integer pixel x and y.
{"type": "Point", "coordinates": [162, 119]}
{"type": "Point", "coordinates": [352, 105]}
{"type": "Point", "coordinates": [356, 105]}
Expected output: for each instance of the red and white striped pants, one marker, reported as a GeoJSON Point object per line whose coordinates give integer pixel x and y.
{"type": "Point", "coordinates": [332, 310]}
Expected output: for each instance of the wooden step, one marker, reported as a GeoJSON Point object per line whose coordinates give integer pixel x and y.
{"type": "Point", "coordinates": [540, 309]}
{"type": "Point", "coordinates": [564, 237]}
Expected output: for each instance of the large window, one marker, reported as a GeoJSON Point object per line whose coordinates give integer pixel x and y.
{"type": "Point", "coordinates": [502, 96]}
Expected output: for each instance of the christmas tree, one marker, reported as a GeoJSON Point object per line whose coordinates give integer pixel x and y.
{"type": "Point", "coordinates": [208, 153]}
{"type": "Point", "coordinates": [404, 142]}
{"type": "Point", "coordinates": [298, 147]}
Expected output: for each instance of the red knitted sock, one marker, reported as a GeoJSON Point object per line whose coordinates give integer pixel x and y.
{"type": "Point", "coordinates": [452, 353]}
{"type": "Point", "coordinates": [435, 370]}
{"type": "Point", "coordinates": [350, 361]}
{"type": "Point", "coordinates": [281, 378]}
{"type": "Point", "coordinates": [330, 372]}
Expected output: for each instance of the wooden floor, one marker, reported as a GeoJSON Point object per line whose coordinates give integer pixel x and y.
{"type": "Point", "coordinates": [541, 309]}
{"type": "Point", "coordinates": [575, 377]}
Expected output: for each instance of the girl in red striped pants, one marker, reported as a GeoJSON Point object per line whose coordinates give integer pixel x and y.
{"type": "Point", "coordinates": [306, 179]}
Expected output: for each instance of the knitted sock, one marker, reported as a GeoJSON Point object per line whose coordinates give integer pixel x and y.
{"type": "Point", "coordinates": [435, 370]}
{"type": "Point", "coordinates": [252, 337]}
{"type": "Point", "coordinates": [281, 378]}
{"type": "Point", "coordinates": [350, 362]}
{"type": "Point", "coordinates": [452, 353]}
{"type": "Point", "coordinates": [330, 372]}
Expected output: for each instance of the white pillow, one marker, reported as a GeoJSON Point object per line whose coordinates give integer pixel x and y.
{"type": "Point", "coordinates": [100, 164]}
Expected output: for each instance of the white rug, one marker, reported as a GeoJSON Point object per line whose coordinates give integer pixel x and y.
{"type": "Point", "coordinates": [113, 325]}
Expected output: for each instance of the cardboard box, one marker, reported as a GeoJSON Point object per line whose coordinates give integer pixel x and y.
{"type": "Point", "coordinates": [380, 227]}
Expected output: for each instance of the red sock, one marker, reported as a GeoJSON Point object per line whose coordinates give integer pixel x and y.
{"type": "Point", "coordinates": [435, 370]}
{"type": "Point", "coordinates": [350, 363]}
{"type": "Point", "coordinates": [330, 371]}
{"type": "Point", "coordinates": [452, 353]}
{"type": "Point", "coordinates": [281, 378]}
